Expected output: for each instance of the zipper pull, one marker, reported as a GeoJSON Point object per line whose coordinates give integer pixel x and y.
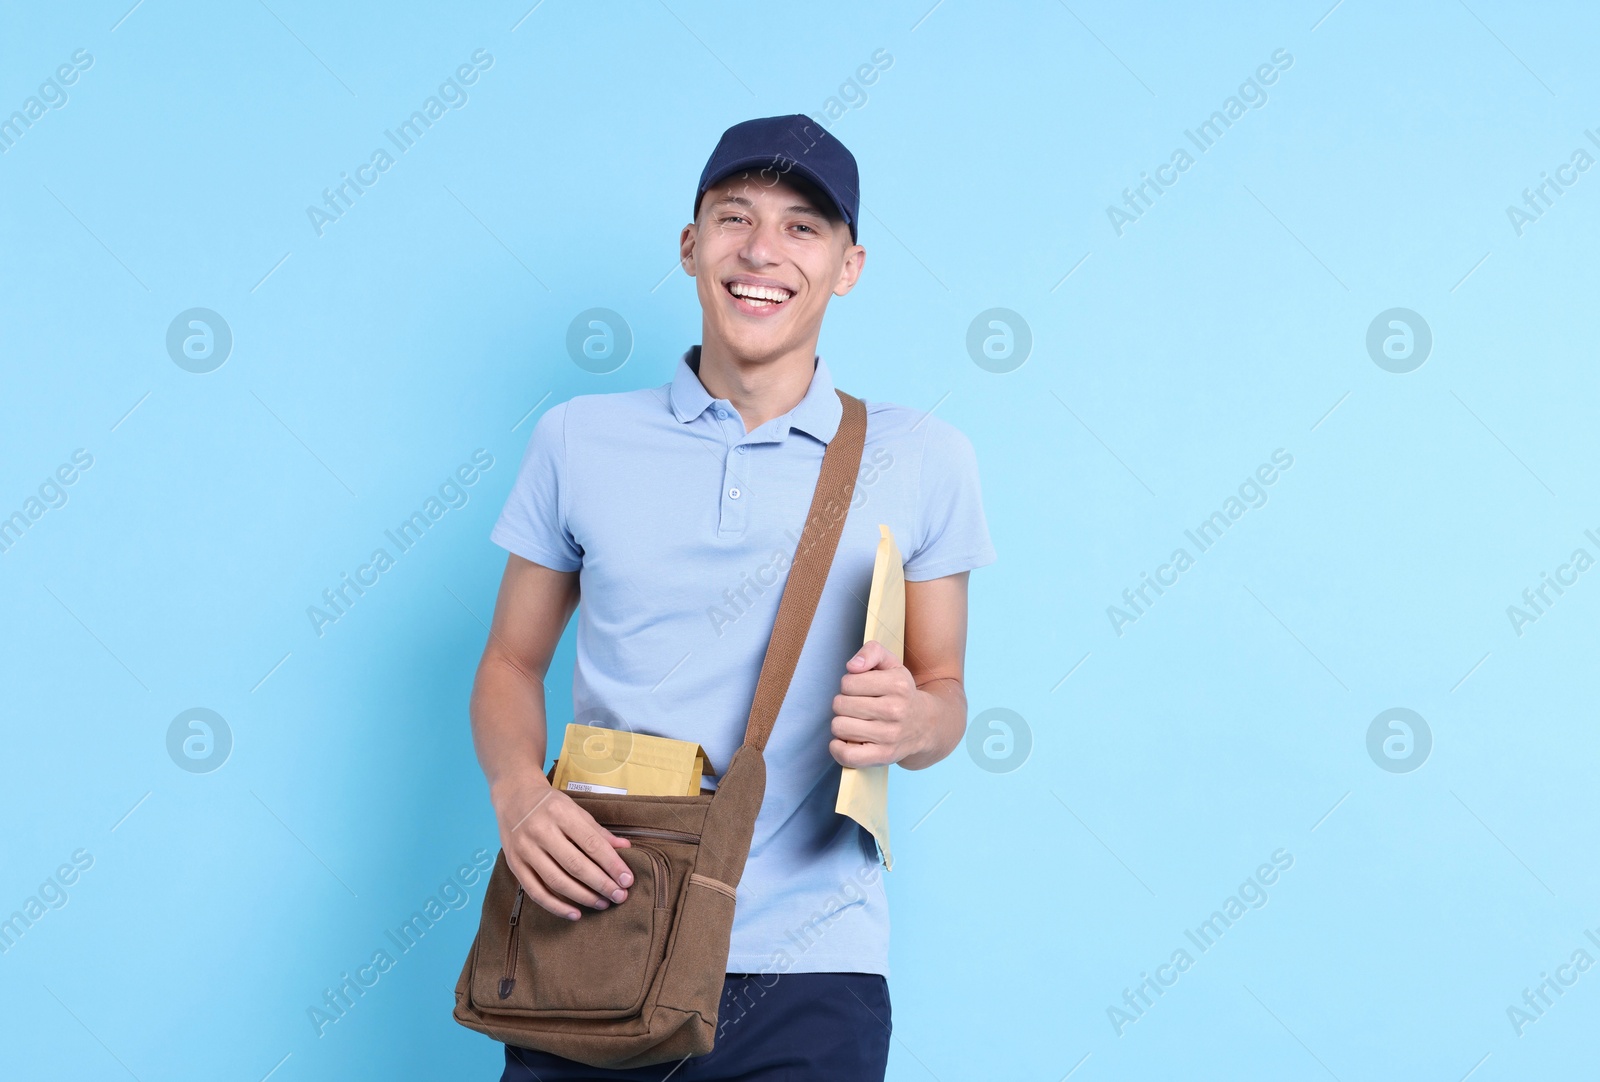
{"type": "Point", "coordinates": [509, 981]}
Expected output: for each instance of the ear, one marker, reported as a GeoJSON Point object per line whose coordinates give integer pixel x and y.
{"type": "Point", "coordinates": [686, 241]}
{"type": "Point", "coordinates": [855, 258]}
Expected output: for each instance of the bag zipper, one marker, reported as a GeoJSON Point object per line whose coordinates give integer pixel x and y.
{"type": "Point", "coordinates": [508, 980]}
{"type": "Point", "coordinates": [658, 860]}
{"type": "Point", "coordinates": [655, 832]}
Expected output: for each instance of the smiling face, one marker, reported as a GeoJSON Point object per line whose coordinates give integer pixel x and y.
{"type": "Point", "coordinates": [766, 254]}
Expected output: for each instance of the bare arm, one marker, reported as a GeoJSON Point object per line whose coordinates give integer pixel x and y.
{"type": "Point", "coordinates": [913, 713]}
{"type": "Point", "coordinates": [557, 851]}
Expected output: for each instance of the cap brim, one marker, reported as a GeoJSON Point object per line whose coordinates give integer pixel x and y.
{"type": "Point", "coordinates": [794, 165]}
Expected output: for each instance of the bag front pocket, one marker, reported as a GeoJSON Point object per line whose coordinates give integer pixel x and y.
{"type": "Point", "coordinates": [598, 966]}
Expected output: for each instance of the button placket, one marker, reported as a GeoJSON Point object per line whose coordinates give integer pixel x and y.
{"type": "Point", "coordinates": [735, 496]}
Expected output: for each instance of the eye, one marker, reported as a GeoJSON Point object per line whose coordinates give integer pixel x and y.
{"type": "Point", "coordinates": [732, 218]}
{"type": "Point", "coordinates": [803, 225]}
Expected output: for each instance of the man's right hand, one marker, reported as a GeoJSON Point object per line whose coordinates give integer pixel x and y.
{"type": "Point", "coordinates": [558, 852]}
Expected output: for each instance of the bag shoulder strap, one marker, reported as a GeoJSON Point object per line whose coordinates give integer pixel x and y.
{"type": "Point", "coordinates": [819, 540]}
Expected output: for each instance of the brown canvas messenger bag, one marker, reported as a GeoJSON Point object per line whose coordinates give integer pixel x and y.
{"type": "Point", "coordinates": [639, 983]}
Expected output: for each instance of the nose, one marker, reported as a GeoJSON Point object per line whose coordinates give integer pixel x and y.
{"type": "Point", "coordinates": [761, 245]}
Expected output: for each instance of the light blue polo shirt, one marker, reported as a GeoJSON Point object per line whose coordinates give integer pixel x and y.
{"type": "Point", "coordinates": [681, 526]}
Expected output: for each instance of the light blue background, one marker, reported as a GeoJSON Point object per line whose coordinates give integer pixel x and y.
{"type": "Point", "coordinates": [431, 321]}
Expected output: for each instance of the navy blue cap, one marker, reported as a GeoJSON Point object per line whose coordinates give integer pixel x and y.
{"type": "Point", "coordinates": [785, 145]}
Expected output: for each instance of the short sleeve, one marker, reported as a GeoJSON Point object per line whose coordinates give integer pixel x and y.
{"type": "Point", "coordinates": [533, 523]}
{"type": "Point", "coordinates": [952, 532]}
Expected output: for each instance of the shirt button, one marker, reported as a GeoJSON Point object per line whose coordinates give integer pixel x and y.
{"type": "Point", "coordinates": [722, 415]}
{"type": "Point", "coordinates": [733, 494]}
{"type": "Point", "coordinates": [740, 448]}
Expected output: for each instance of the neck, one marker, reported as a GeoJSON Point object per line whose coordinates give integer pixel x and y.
{"type": "Point", "coordinates": [759, 390]}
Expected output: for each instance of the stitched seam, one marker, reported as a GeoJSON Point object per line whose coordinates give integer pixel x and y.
{"type": "Point", "coordinates": [916, 498]}
{"type": "Point", "coordinates": [564, 486]}
{"type": "Point", "coordinates": [714, 884]}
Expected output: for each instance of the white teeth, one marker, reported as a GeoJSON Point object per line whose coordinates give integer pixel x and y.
{"type": "Point", "coordinates": [759, 296]}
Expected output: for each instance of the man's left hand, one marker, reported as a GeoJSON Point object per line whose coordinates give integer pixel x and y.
{"type": "Point", "coordinates": [878, 713]}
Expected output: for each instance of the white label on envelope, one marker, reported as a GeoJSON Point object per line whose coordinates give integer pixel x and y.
{"type": "Point", "coordinates": [592, 787]}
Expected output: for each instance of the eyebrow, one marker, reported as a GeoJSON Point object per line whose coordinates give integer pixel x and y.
{"type": "Point", "coordinates": [797, 208]}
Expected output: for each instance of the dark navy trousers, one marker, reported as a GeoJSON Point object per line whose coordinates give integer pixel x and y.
{"type": "Point", "coordinates": [771, 1027]}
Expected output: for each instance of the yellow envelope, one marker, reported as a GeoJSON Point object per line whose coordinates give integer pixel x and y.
{"type": "Point", "coordinates": [597, 760]}
{"type": "Point", "coordinates": [864, 791]}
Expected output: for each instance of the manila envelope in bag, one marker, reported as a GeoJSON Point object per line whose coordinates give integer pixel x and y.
{"type": "Point", "coordinates": [597, 760]}
{"type": "Point", "coordinates": [864, 791]}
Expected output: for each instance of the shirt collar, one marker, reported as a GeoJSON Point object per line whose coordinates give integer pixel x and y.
{"type": "Point", "coordinates": [817, 414]}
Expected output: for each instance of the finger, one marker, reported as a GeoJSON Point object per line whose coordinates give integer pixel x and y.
{"type": "Point", "coordinates": [535, 889]}
{"type": "Point", "coordinates": [859, 730]}
{"type": "Point", "coordinates": [594, 841]}
{"type": "Point", "coordinates": [547, 872]}
{"type": "Point", "coordinates": [872, 707]}
{"type": "Point", "coordinates": [876, 682]}
{"type": "Point", "coordinates": [542, 898]}
{"type": "Point", "coordinates": [579, 863]}
{"type": "Point", "coordinates": [612, 876]}
{"type": "Point", "coordinates": [859, 755]}
{"type": "Point", "coordinates": [522, 872]}
{"type": "Point", "coordinates": [564, 886]}
{"type": "Point", "coordinates": [872, 655]}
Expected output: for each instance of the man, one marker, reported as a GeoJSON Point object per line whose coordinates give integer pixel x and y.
{"type": "Point", "coordinates": [675, 511]}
